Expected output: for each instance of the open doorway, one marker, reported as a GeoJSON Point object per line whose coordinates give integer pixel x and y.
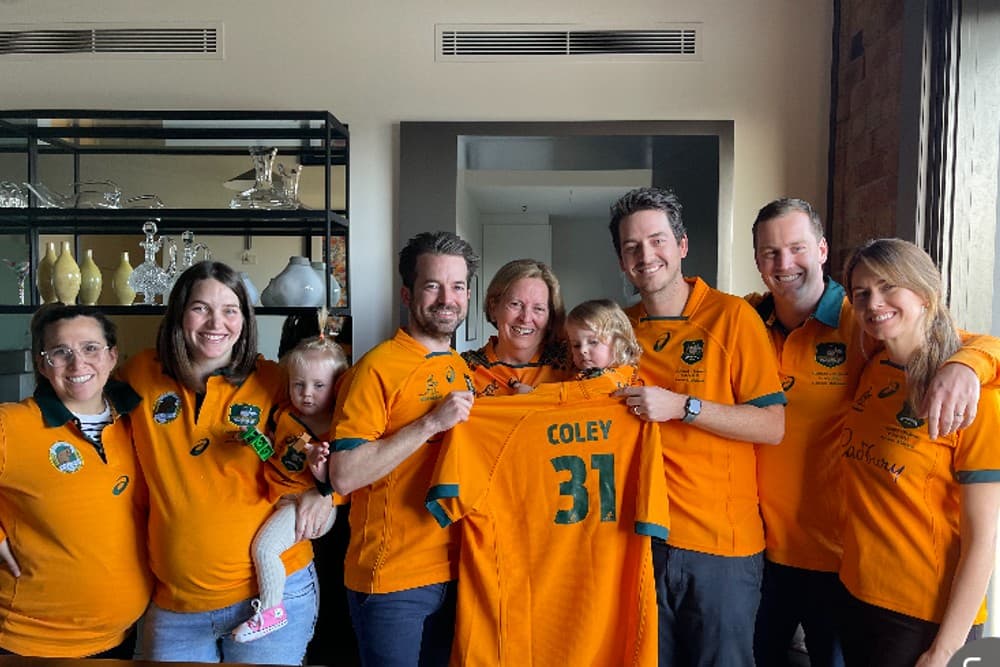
{"type": "Point", "coordinates": [543, 190]}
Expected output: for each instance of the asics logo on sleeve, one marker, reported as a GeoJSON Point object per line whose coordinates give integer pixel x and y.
{"type": "Point", "coordinates": [120, 485]}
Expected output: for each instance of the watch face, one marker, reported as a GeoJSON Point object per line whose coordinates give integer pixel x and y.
{"type": "Point", "coordinates": [692, 408]}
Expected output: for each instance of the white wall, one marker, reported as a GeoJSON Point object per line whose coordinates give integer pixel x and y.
{"type": "Point", "coordinates": [470, 228]}
{"type": "Point", "coordinates": [371, 62]}
{"type": "Point", "coordinates": [584, 260]}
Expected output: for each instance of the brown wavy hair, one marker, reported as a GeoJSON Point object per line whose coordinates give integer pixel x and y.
{"type": "Point", "coordinates": [902, 263]}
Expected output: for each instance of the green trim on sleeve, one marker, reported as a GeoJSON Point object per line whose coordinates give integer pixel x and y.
{"type": "Point", "coordinates": [978, 476]}
{"type": "Point", "coordinates": [347, 444]}
{"type": "Point", "coordinates": [777, 398]}
{"type": "Point", "coordinates": [436, 493]}
{"type": "Point", "coordinates": [652, 530]}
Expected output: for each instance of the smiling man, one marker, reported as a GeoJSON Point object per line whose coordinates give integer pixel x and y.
{"type": "Point", "coordinates": [818, 345]}
{"type": "Point", "coordinates": [712, 383]}
{"type": "Point", "coordinates": [392, 409]}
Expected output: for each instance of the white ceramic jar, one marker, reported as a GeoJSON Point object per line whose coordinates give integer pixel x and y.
{"type": "Point", "coordinates": [297, 285]}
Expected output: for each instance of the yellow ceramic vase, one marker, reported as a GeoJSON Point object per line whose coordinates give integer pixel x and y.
{"type": "Point", "coordinates": [90, 280]}
{"type": "Point", "coordinates": [124, 294]}
{"type": "Point", "coordinates": [66, 276]}
{"type": "Point", "coordinates": [44, 275]}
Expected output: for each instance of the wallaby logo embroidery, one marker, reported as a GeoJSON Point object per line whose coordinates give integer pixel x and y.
{"type": "Point", "coordinates": [694, 350]}
{"type": "Point", "coordinates": [831, 354]}
{"type": "Point", "coordinates": [65, 457]}
{"type": "Point", "coordinates": [166, 408]}
{"type": "Point", "coordinates": [244, 414]}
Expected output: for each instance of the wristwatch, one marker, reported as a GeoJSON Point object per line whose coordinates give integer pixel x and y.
{"type": "Point", "coordinates": [692, 408]}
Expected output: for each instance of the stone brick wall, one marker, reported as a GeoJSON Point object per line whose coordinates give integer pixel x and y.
{"type": "Point", "coordinates": [866, 149]}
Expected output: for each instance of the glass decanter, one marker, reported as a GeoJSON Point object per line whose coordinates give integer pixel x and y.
{"type": "Point", "coordinates": [289, 185]}
{"type": "Point", "coordinates": [20, 269]}
{"type": "Point", "coordinates": [188, 254]}
{"type": "Point", "coordinates": [149, 277]}
{"type": "Point", "coordinates": [263, 194]}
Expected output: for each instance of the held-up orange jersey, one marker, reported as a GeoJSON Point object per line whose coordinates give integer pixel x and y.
{"type": "Point", "coordinates": [209, 492]}
{"type": "Point", "coordinates": [493, 377]}
{"type": "Point", "coordinates": [557, 493]}
{"type": "Point", "coordinates": [901, 490]}
{"type": "Point", "coordinates": [76, 525]}
{"type": "Point", "coordinates": [716, 350]}
{"type": "Point", "coordinates": [395, 544]}
{"type": "Point", "coordinates": [801, 498]}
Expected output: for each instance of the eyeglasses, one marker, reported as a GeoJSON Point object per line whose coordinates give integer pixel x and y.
{"type": "Point", "coordinates": [57, 357]}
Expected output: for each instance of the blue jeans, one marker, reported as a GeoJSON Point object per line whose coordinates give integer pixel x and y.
{"type": "Point", "coordinates": [790, 596]}
{"type": "Point", "coordinates": [204, 636]}
{"type": "Point", "coordinates": [405, 628]}
{"type": "Point", "coordinates": [707, 605]}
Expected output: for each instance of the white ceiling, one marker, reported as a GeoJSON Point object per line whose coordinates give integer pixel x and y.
{"type": "Point", "coordinates": [573, 194]}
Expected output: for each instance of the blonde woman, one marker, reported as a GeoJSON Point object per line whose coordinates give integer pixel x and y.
{"type": "Point", "coordinates": [921, 512]}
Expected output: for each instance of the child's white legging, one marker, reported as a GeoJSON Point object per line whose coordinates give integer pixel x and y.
{"type": "Point", "coordinates": [276, 536]}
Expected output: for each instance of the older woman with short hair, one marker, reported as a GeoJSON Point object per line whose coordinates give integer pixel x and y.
{"type": "Point", "coordinates": [525, 305]}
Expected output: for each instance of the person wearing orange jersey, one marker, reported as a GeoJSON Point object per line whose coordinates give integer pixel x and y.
{"type": "Point", "coordinates": [921, 511]}
{"type": "Point", "coordinates": [73, 501]}
{"type": "Point", "coordinates": [301, 440]}
{"type": "Point", "coordinates": [712, 383]}
{"type": "Point", "coordinates": [817, 341]}
{"type": "Point", "coordinates": [529, 480]}
{"type": "Point", "coordinates": [391, 410]}
{"type": "Point", "coordinates": [525, 305]}
{"type": "Point", "coordinates": [209, 491]}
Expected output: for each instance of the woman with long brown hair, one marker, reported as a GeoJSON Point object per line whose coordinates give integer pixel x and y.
{"type": "Point", "coordinates": [921, 513]}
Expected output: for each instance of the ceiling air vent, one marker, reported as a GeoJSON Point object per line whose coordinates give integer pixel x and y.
{"type": "Point", "coordinates": [675, 42]}
{"type": "Point", "coordinates": [112, 40]}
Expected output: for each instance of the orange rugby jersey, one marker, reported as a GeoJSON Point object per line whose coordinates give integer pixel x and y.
{"type": "Point", "coordinates": [290, 473]}
{"type": "Point", "coordinates": [901, 529]}
{"type": "Point", "coordinates": [493, 377]}
{"type": "Point", "coordinates": [395, 544]}
{"type": "Point", "coordinates": [209, 492]}
{"type": "Point", "coordinates": [799, 480]}
{"type": "Point", "coordinates": [801, 498]}
{"type": "Point", "coordinates": [557, 493]}
{"type": "Point", "coordinates": [76, 525]}
{"type": "Point", "coordinates": [716, 350]}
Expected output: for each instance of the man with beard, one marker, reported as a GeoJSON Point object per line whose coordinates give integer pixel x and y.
{"type": "Point", "coordinates": [712, 382]}
{"type": "Point", "coordinates": [392, 409]}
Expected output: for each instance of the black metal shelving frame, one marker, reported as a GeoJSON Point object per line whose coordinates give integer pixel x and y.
{"type": "Point", "coordinates": [319, 140]}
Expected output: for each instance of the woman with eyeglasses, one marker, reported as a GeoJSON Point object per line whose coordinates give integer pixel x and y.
{"type": "Point", "coordinates": [209, 491]}
{"type": "Point", "coordinates": [73, 565]}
